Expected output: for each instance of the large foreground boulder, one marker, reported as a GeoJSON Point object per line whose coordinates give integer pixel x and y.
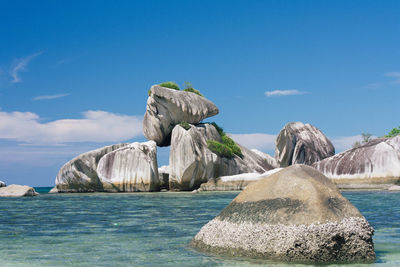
{"type": "Point", "coordinates": [131, 168]}
{"type": "Point", "coordinates": [17, 191]}
{"type": "Point", "coordinates": [80, 173]}
{"type": "Point", "coordinates": [2, 184]}
{"type": "Point", "coordinates": [376, 162]}
{"type": "Point", "coordinates": [299, 143]}
{"type": "Point", "coordinates": [168, 107]}
{"type": "Point", "coordinates": [296, 214]}
{"type": "Point", "coordinates": [193, 163]}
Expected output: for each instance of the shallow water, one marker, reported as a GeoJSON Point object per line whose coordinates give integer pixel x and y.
{"type": "Point", "coordinates": [147, 229]}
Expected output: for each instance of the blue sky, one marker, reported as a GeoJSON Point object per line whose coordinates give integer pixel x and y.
{"type": "Point", "coordinates": [74, 75]}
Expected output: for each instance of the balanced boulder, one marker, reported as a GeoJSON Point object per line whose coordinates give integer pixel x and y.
{"type": "Point", "coordinates": [17, 191]}
{"type": "Point", "coordinates": [299, 143]}
{"type": "Point", "coordinates": [130, 168]}
{"type": "Point", "coordinates": [296, 214]}
{"type": "Point", "coordinates": [80, 175]}
{"type": "Point", "coordinates": [376, 162]}
{"type": "Point", "coordinates": [168, 107]}
{"type": "Point", "coordinates": [193, 163]}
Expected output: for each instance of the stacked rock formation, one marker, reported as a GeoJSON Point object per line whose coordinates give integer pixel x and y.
{"type": "Point", "coordinates": [299, 143]}
{"type": "Point", "coordinates": [168, 107]}
{"type": "Point", "coordinates": [193, 163]}
{"type": "Point", "coordinates": [376, 162]}
{"type": "Point", "coordinates": [296, 214]}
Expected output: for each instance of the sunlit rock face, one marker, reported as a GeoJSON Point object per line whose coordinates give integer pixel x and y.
{"type": "Point", "coordinates": [2, 184]}
{"type": "Point", "coordinates": [168, 107]}
{"type": "Point", "coordinates": [271, 160]}
{"type": "Point", "coordinates": [377, 161]}
{"type": "Point", "coordinates": [80, 173]}
{"type": "Point", "coordinates": [192, 163]}
{"type": "Point", "coordinates": [132, 168]}
{"type": "Point", "coordinates": [14, 190]}
{"type": "Point", "coordinates": [296, 214]}
{"type": "Point", "coordinates": [299, 143]}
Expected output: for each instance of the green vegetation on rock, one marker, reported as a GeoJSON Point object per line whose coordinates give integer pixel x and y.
{"type": "Point", "coordinates": [227, 144]}
{"type": "Point", "coordinates": [171, 85]}
{"type": "Point", "coordinates": [394, 132]}
{"type": "Point", "coordinates": [189, 88]}
{"type": "Point", "coordinates": [185, 125]}
{"type": "Point", "coordinates": [220, 149]}
{"type": "Point", "coordinates": [366, 137]}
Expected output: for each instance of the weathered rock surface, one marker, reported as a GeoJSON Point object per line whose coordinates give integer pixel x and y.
{"type": "Point", "coordinates": [299, 143]}
{"type": "Point", "coordinates": [54, 190]}
{"type": "Point", "coordinates": [296, 214]}
{"type": "Point", "coordinates": [163, 174]}
{"type": "Point", "coordinates": [235, 182]}
{"type": "Point", "coordinates": [2, 184]}
{"type": "Point", "coordinates": [394, 188]}
{"type": "Point", "coordinates": [80, 175]}
{"type": "Point", "coordinates": [270, 159]}
{"type": "Point", "coordinates": [168, 107]}
{"type": "Point", "coordinates": [376, 162]}
{"type": "Point", "coordinates": [192, 163]}
{"type": "Point", "coordinates": [17, 191]}
{"type": "Point", "coordinates": [131, 168]}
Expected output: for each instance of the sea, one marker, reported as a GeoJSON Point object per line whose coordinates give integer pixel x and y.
{"type": "Point", "coordinates": [148, 229]}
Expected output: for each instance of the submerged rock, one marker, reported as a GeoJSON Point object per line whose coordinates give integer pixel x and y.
{"type": "Point", "coordinates": [80, 175]}
{"type": "Point", "coordinates": [299, 143]}
{"type": "Point", "coordinates": [376, 162]}
{"type": "Point", "coordinates": [192, 163]}
{"type": "Point", "coordinates": [17, 191]}
{"type": "Point", "coordinates": [130, 168]}
{"type": "Point", "coordinates": [2, 184]}
{"type": "Point", "coordinates": [296, 214]}
{"type": "Point", "coordinates": [168, 107]}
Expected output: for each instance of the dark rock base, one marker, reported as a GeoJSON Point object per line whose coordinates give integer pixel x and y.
{"type": "Point", "coordinates": [349, 240]}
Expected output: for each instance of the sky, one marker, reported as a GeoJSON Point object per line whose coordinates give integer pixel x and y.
{"type": "Point", "coordinates": [74, 75]}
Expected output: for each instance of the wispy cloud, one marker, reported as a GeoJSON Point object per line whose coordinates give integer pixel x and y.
{"type": "Point", "coordinates": [259, 141]}
{"type": "Point", "coordinates": [95, 126]}
{"type": "Point", "coordinates": [48, 97]}
{"type": "Point", "coordinates": [20, 65]}
{"type": "Point", "coordinates": [283, 93]}
{"type": "Point", "coordinates": [395, 75]}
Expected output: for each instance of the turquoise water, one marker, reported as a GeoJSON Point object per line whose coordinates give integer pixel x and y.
{"type": "Point", "coordinates": [146, 229]}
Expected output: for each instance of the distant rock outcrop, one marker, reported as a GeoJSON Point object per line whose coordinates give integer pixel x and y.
{"type": "Point", "coordinates": [376, 162]}
{"type": "Point", "coordinates": [299, 143]}
{"type": "Point", "coordinates": [2, 184]}
{"type": "Point", "coordinates": [296, 214]}
{"type": "Point", "coordinates": [271, 160]}
{"type": "Point", "coordinates": [235, 182]}
{"type": "Point", "coordinates": [163, 174]}
{"type": "Point", "coordinates": [131, 168]}
{"type": "Point", "coordinates": [17, 191]}
{"type": "Point", "coordinates": [80, 175]}
{"type": "Point", "coordinates": [168, 107]}
{"type": "Point", "coordinates": [192, 163]}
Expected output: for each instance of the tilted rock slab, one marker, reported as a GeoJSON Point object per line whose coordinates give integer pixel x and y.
{"type": "Point", "coordinates": [168, 107]}
{"type": "Point", "coordinates": [271, 160]}
{"type": "Point", "coordinates": [14, 190]}
{"type": "Point", "coordinates": [132, 168]}
{"type": "Point", "coordinates": [192, 163]}
{"type": "Point", "coordinates": [80, 175]}
{"type": "Point", "coordinates": [299, 143]}
{"type": "Point", "coordinates": [296, 214]}
{"type": "Point", "coordinates": [376, 162]}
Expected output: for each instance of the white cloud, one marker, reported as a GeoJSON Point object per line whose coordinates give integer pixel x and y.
{"type": "Point", "coordinates": [95, 126]}
{"type": "Point", "coordinates": [395, 75]}
{"type": "Point", "coordinates": [259, 141]}
{"type": "Point", "coordinates": [47, 97]}
{"type": "Point", "coordinates": [283, 93]}
{"type": "Point", "coordinates": [21, 65]}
